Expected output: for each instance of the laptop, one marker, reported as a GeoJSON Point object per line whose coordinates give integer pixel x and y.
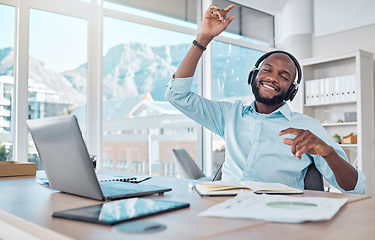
{"type": "Point", "coordinates": [68, 166]}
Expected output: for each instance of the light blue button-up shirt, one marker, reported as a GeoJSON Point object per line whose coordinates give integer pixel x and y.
{"type": "Point", "coordinates": [254, 150]}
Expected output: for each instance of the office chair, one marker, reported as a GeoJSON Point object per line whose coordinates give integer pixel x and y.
{"type": "Point", "coordinates": [187, 168]}
{"type": "Point", "coordinates": [313, 179]}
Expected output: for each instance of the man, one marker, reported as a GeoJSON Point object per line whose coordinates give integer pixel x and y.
{"type": "Point", "coordinates": [265, 141]}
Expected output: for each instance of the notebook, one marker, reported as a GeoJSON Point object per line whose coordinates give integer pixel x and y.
{"type": "Point", "coordinates": [68, 166]}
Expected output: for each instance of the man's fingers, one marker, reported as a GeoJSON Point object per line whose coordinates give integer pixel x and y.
{"type": "Point", "coordinates": [288, 141]}
{"type": "Point", "coordinates": [293, 131]}
{"type": "Point", "coordinates": [222, 13]}
{"type": "Point", "coordinates": [229, 20]}
{"type": "Point", "coordinates": [230, 7]}
{"type": "Point", "coordinates": [212, 7]}
{"type": "Point", "coordinates": [301, 151]}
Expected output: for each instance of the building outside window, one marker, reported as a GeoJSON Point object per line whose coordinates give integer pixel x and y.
{"type": "Point", "coordinates": [57, 67]}
{"type": "Point", "coordinates": [7, 26]}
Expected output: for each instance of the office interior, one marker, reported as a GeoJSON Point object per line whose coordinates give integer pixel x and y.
{"type": "Point", "coordinates": [108, 62]}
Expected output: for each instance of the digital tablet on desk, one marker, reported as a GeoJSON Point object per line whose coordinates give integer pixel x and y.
{"type": "Point", "coordinates": [110, 213]}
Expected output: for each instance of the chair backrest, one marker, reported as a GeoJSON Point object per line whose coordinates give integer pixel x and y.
{"type": "Point", "coordinates": [313, 179]}
{"type": "Point", "coordinates": [186, 167]}
{"type": "Point", "coordinates": [217, 176]}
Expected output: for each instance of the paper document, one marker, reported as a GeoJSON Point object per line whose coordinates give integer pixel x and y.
{"type": "Point", "coordinates": [220, 188]}
{"type": "Point", "coordinates": [276, 208]}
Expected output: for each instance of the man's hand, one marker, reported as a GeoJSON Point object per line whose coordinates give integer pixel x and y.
{"type": "Point", "coordinates": [305, 142]}
{"type": "Point", "coordinates": [215, 21]}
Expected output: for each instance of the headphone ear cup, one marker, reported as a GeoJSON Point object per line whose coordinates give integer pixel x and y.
{"type": "Point", "coordinates": [252, 75]}
{"type": "Point", "coordinates": [292, 91]}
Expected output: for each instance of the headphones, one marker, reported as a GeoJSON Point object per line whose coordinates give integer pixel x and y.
{"type": "Point", "coordinates": [292, 91]}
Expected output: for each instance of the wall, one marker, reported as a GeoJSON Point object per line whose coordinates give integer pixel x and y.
{"type": "Point", "coordinates": [313, 28]}
{"type": "Point", "coordinates": [335, 16]}
{"type": "Point", "coordinates": [343, 25]}
{"type": "Point", "coordinates": [351, 28]}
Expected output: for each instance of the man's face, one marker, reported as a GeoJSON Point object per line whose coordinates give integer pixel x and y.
{"type": "Point", "coordinates": [274, 78]}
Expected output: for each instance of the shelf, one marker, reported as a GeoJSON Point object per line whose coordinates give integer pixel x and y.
{"type": "Point", "coordinates": [348, 145]}
{"type": "Point", "coordinates": [358, 64]}
{"type": "Point", "coordinates": [339, 124]}
{"type": "Point", "coordinates": [329, 104]}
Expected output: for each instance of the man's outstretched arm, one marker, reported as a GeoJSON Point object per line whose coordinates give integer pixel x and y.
{"type": "Point", "coordinates": [214, 22]}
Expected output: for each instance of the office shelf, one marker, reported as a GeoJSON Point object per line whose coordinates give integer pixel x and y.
{"type": "Point", "coordinates": [357, 65]}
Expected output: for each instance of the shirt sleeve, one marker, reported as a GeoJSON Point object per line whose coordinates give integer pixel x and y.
{"type": "Point", "coordinates": [203, 111]}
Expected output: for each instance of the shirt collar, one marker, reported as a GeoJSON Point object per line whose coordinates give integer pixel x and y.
{"type": "Point", "coordinates": [284, 109]}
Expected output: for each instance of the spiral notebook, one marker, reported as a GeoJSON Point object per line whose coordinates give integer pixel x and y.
{"type": "Point", "coordinates": [68, 166]}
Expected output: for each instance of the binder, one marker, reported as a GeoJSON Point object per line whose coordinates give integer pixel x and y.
{"type": "Point", "coordinates": [322, 98]}
{"type": "Point", "coordinates": [353, 87]}
{"type": "Point", "coordinates": [316, 91]}
{"type": "Point", "coordinates": [332, 89]}
{"type": "Point", "coordinates": [337, 90]}
{"type": "Point", "coordinates": [327, 94]}
{"type": "Point", "coordinates": [343, 89]}
{"type": "Point", "coordinates": [308, 92]}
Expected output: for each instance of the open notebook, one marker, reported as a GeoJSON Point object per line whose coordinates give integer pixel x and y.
{"type": "Point", "coordinates": [68, 166]}
{"type": "Point", "coordinates": [220, 188]}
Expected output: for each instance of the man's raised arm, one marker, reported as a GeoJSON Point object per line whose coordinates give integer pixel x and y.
{"type": "Point", "coordinates": [215, 21]}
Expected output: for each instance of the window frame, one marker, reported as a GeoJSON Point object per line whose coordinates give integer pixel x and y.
{"type": "Point", "coordinates": [94, 12]}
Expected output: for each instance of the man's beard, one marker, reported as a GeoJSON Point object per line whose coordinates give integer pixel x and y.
{"type": "Point", "coordinates": [267, 101]}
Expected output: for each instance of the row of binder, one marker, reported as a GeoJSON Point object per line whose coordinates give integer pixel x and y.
{"type": "Point", "coordinates": [331, 90]}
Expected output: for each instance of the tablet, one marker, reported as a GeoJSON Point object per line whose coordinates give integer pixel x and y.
{"type": "Point", "coordinates": [110, 213]}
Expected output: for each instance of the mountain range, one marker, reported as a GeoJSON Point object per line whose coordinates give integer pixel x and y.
{"type": "Point", "coordinates": [133, 69]}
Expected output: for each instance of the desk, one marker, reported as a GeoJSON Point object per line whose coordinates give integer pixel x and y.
{"type": "Point", "coordinates": [26, 199]}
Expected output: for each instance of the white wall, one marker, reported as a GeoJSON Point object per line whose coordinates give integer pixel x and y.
{"type": "Point", "coordinates": [351, 27]}
{"type": "Point", "coordinates": [335, 16]}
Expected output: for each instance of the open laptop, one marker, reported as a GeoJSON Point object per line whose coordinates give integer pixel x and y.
{"type": "Point", "coordinates": [68, 166]}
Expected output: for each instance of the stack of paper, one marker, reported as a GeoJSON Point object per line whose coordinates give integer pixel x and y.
{"type": "Point", "coordinates": [277, 208]}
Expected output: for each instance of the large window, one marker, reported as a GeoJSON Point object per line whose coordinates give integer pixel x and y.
{"type": "Point", "coordinates": [57, 66]}
{"type": "Point", "coordinates": [7, 26]}
{"type": "Point", "coordinates": [140, 127]}
{"type": "Point", "coordinates": [112, 76]}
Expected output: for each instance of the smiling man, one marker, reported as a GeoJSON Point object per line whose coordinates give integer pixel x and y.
{"type": "Point", "coordinates": [265, 141]}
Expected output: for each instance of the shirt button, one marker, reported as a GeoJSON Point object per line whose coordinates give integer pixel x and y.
{"type": "Point", "coordinates": [248, 164]}
{"type": "Point", "coordinates": [257, 127]}
{"type": "Point", "coordinates": [245, 174]}
{"type": "Point", "coordinates": [254, 147]}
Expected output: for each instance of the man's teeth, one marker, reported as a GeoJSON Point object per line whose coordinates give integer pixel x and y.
{"type": "Point", "coordinates": [269, 87]}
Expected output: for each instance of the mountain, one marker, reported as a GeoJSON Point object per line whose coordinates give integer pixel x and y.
{"type": "Point", "coordinates": [41, 78]}
{"type": "Point", "coordinates": [133, 69]}
{"type": "Point", "coordinates": [6, 61]}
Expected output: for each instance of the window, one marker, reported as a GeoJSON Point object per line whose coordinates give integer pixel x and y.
{"type": "Point", "coordinates": [250, 25]}
{"type": "Point", "coordinates": [178, 12]}
{"type": "Point", "coordinates": [7, 26]}
{"type": "Point", "coordinates": [144, 41]}
{"type": "Point", "coordinates": [231, 65]}
{"type": "Point", "coordinates": [139, 125]}
{"type": "Point", "coordinates": [57, 67]}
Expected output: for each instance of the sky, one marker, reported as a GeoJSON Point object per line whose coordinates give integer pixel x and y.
{"type": "Point", "coordinates": [61, 41]}
{"type": "Point", "coordinates": [7, 19]}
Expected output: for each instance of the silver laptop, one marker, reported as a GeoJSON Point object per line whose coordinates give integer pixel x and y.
{"type": "Point", "coordinates": [68, 166]}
